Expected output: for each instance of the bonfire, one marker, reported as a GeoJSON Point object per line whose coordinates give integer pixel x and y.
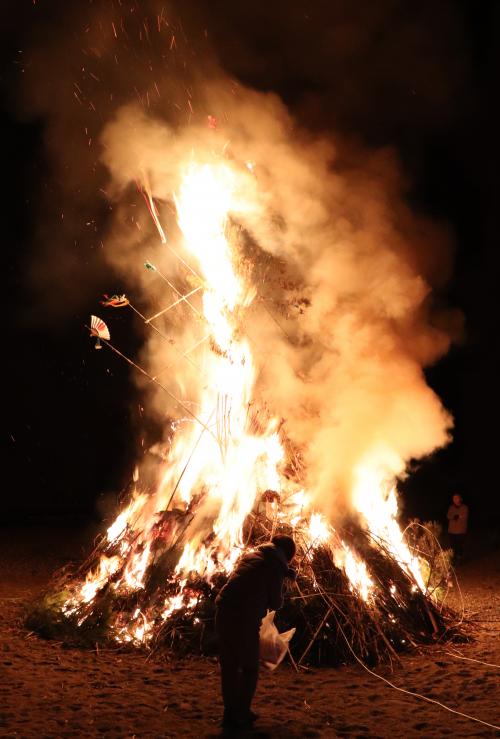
{"type": "Point", "coordinates": [232, 472]}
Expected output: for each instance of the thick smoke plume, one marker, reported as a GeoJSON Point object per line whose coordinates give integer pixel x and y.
{"type": "Point", "coordinates": [341, 323]}
{"type": "Point", "coordinates": [383, 72]}
{"type": "Point", "coordinates": [339, 326]}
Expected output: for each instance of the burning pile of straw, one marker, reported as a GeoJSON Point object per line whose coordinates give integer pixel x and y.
{"type": "Point", "coordinates": [335, 622]}
{"type": "Point", "coordinates": [287, 331]}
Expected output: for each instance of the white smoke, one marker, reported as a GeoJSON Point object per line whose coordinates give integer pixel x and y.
{"type": "Point", "coordinates": [341, 325]}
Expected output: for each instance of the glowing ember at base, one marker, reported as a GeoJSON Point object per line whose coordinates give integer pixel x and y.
{"type": "Point", "coordinates": [347, 586]}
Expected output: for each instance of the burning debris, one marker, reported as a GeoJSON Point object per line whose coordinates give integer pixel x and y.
{"type": "Point", "coordinates": [352, 597]}
{"type": "Point", "coordinates": [244, 335]}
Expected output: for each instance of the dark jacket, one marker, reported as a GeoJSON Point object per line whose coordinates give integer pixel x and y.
{"type": "Point", "coordinates": [256, 584]}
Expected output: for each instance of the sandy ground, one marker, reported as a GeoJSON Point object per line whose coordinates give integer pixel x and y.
{"type": "Point", "coordinates": [47, 690]}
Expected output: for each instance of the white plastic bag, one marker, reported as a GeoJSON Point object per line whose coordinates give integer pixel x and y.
{"type": "Point", "coordinates": [273, 645]}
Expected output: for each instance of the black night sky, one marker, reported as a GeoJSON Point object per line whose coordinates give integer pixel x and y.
{"type": "Point", "coordinates": [421, 78]}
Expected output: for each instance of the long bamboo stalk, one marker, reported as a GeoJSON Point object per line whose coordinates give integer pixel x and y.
{"type": "Point", "coordinates": [306, 651]}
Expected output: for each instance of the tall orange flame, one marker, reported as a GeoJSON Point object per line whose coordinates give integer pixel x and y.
{"type": "Point", "coordinates": [220, 468]}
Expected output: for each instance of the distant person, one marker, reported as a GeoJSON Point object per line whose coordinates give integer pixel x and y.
{"type": "Point", "coordinates": [254, 587]}
{"type": "Point", "coordinates": [458, 514]}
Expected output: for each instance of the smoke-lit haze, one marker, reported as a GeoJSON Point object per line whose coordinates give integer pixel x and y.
{"type": "Point", "coordinates": [340, 328]}
{"type": "Point", "coordinates": [342, 321]}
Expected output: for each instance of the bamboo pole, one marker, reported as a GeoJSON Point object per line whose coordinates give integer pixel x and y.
{"type": "Point", "coordinates": [306, 652]}
{"type": "Point", "coordinates": [166, 390]}
{"type": "Point", "coordinates": [172, 305]}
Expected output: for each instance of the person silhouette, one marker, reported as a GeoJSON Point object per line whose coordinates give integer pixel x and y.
{"type": "Point", "coordinates": [253, 588]}
{"type": "Point", "coordinates": [458, 516]}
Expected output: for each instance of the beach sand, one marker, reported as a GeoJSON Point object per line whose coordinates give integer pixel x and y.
{"type": "Point", "coordinates": [49, 690]}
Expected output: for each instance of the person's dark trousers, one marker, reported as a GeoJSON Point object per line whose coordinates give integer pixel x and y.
{"type": "Point", "coordinates": [457, 542]}
{"type": "Point", "coordinates": [239, 663]}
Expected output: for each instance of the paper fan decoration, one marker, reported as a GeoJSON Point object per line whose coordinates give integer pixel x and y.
{"type": "Point", "coordinates": [99, 329]}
